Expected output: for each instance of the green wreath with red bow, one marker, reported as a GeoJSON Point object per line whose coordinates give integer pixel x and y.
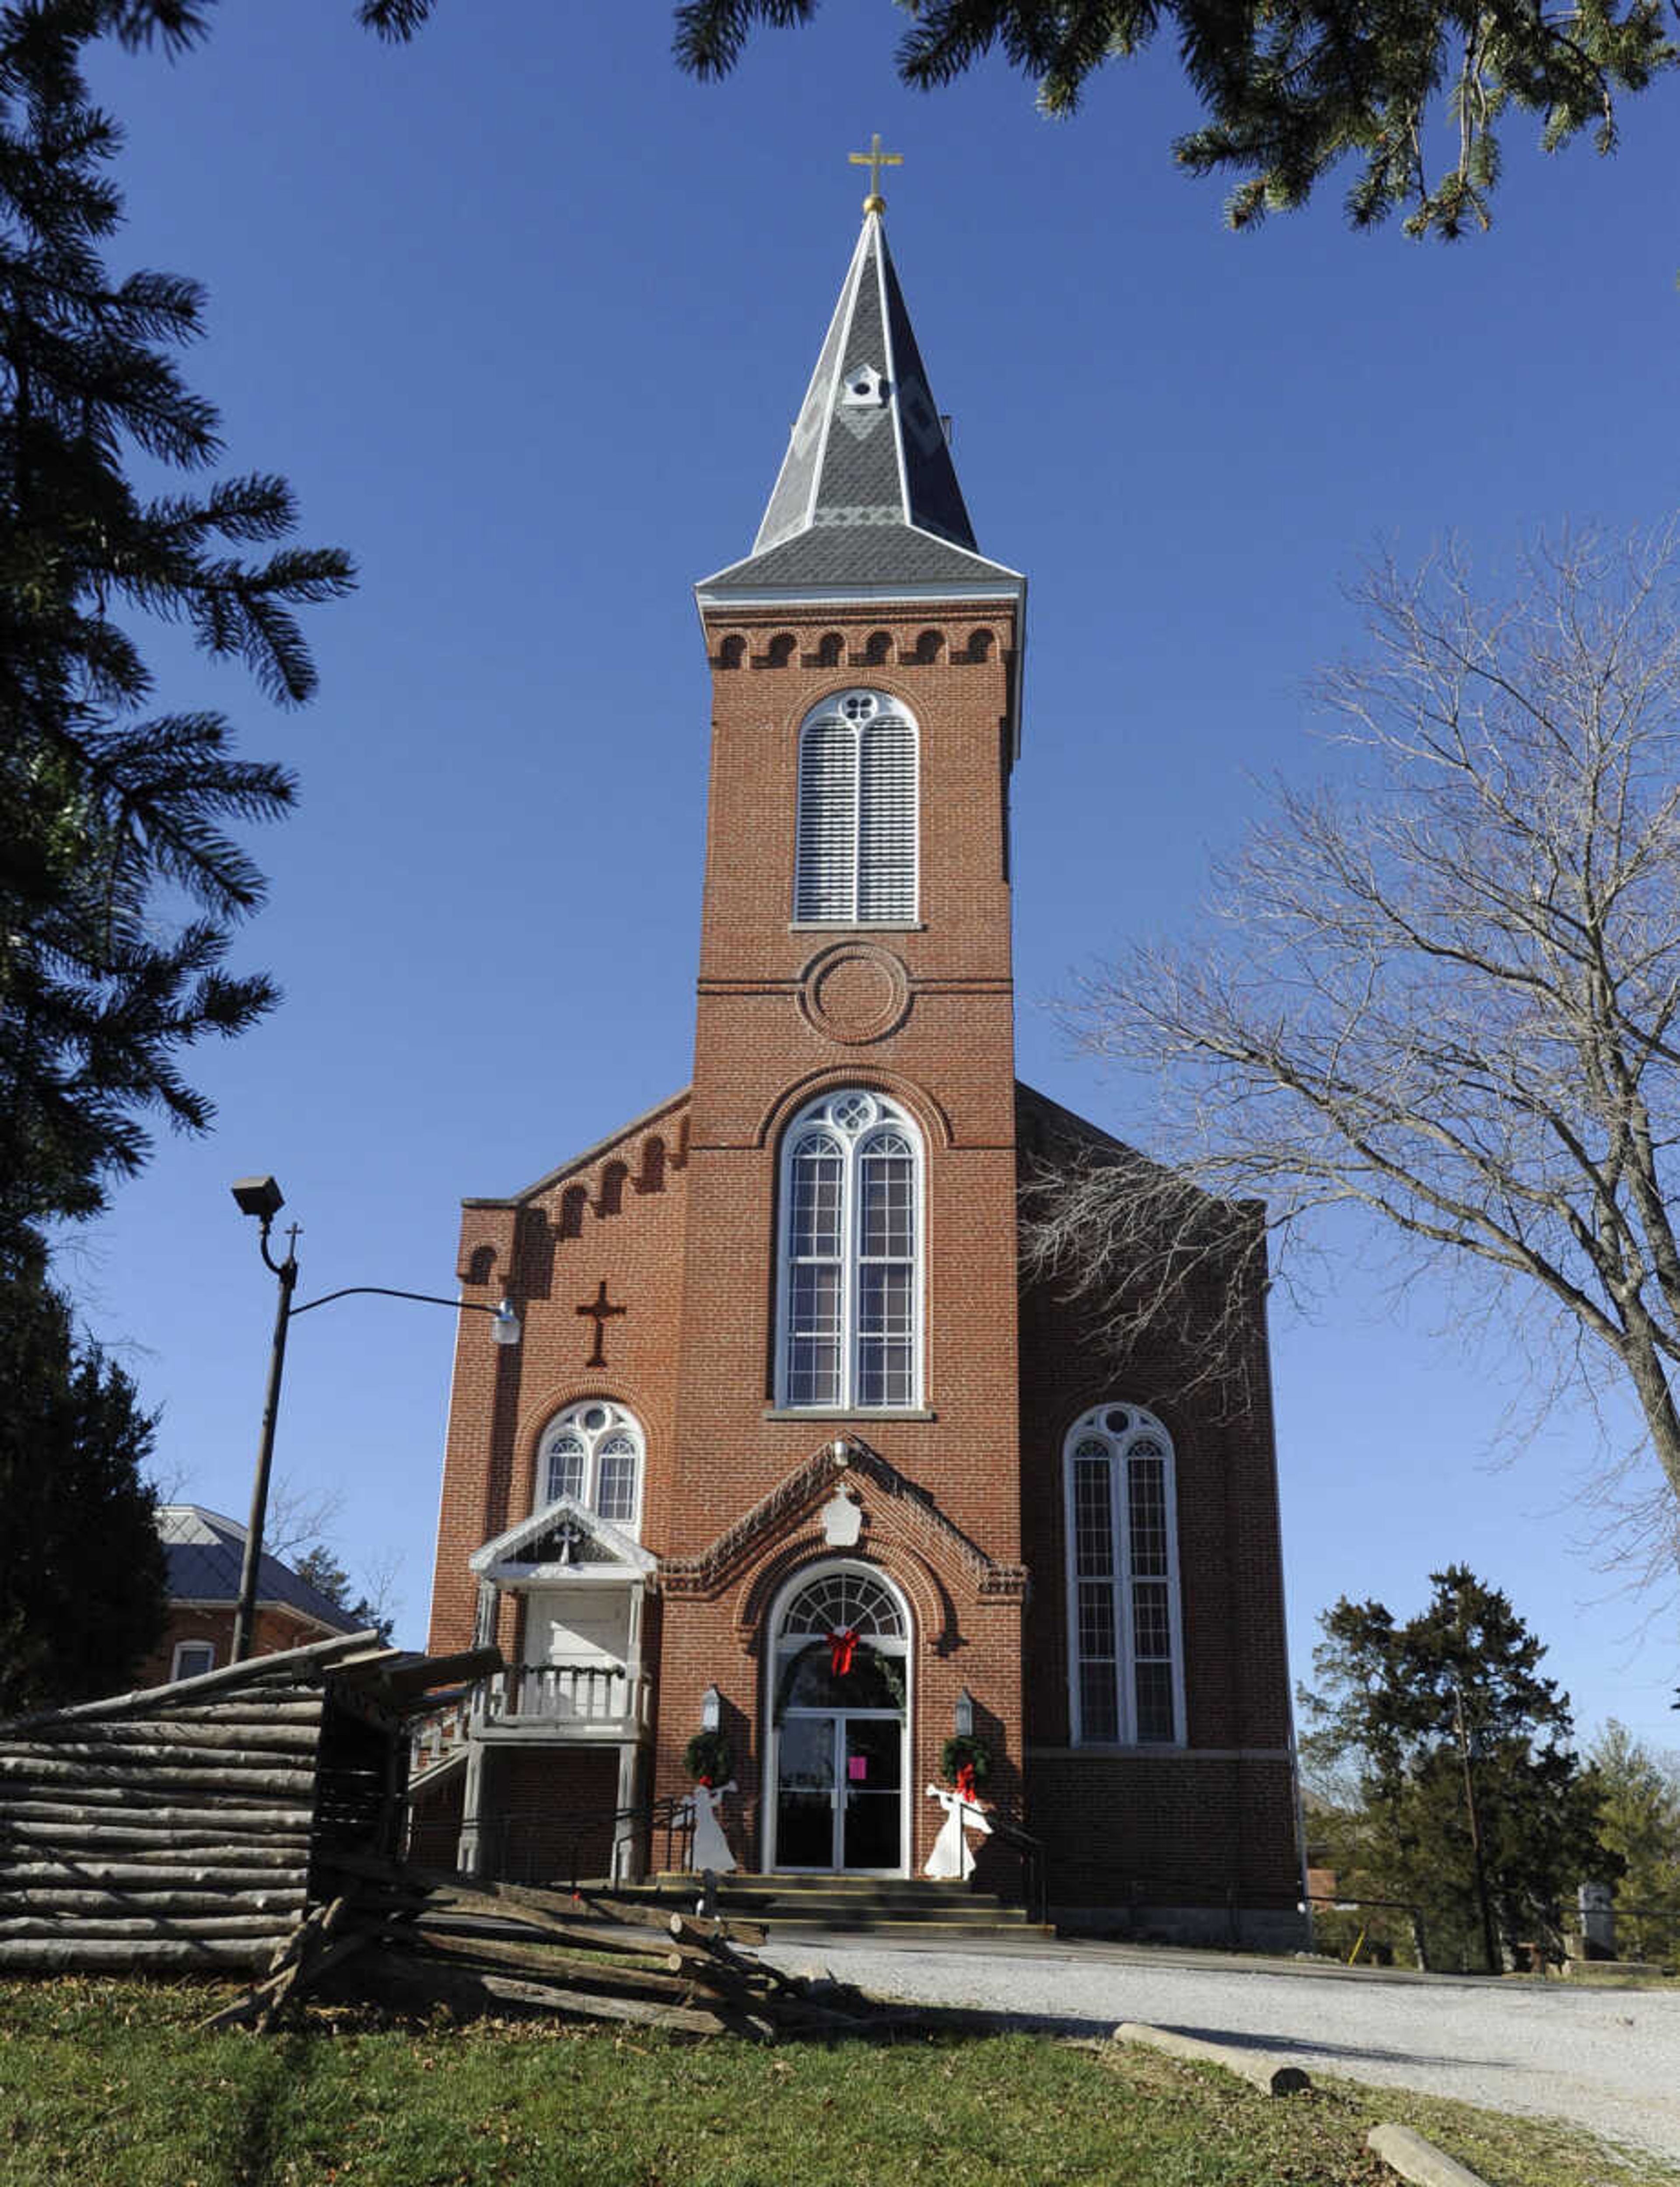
{"type": "Point", "coordinates": [846, 1649]}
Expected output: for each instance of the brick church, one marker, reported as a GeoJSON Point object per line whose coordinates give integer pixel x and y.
{"type": "Point", "coordinates": [787, 1450]}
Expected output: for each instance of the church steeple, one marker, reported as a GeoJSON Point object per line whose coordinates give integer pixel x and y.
{"type": "Point", "coordinates": [867, 496]}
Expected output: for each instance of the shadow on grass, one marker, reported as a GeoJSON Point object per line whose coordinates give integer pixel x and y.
{"type": "Point", "coordinates": [279, 2074]}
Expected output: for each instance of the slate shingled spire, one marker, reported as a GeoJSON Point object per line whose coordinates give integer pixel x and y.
{"type": "Point", "coordinates": [867, 495]}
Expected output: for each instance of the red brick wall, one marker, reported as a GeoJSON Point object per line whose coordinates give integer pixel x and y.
{"type": "Point", "coordinates": [1226, 1805]}
{"type": "Point", "coordinates": [617, 1214]}
{"type": "Point", "coordinates": [691, 1258]}
{"type": "Point", "coordinates": [759, 1055]}
{"type": "Point", "coordinates": [273, 1632]}
{"type": "Point", "coordinates": [541, 1797]}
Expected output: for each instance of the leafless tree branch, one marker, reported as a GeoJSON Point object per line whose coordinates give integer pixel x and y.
{"type": "Point", "coordinates": [1444, 990]}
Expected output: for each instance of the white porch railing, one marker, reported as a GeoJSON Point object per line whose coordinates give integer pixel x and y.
{"type": "Point", "coordinates": [588, 1699]}
{"type": "Point", "coordinates": [585, 1693]}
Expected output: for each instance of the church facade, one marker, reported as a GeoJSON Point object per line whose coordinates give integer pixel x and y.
{"type": "Point", "coordinates": [788, 1451]}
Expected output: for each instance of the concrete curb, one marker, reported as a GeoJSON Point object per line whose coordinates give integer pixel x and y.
{"type": "Point", "coordinates": [1419, 2161]}
{"type": "Point", "coordinates": [1272, 2075]}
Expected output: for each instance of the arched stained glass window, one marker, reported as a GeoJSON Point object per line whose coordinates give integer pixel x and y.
{"type": "Point", "coordinates": [851, 1287]}
{"type": "Point", "coordinates": [591, 1452]}
{"type": "Point", "coordinates": [855, 861]}
{"type": "Point", "coordinates": [1124, 1651]}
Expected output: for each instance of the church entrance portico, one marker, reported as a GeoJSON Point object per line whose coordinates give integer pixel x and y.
{"type": "Point", "coordinates": [839, 1735]}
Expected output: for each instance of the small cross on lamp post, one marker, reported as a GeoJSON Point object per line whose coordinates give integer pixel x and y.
{"type": "Point", "coordinates": [261, 1197]}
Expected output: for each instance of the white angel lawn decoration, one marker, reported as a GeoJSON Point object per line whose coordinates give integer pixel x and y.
{"type": "Point", "coordinates": [711, 1848]}
{"type": "Point", "coordinates": [951, 1860]}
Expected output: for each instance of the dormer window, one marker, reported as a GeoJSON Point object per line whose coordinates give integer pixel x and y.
{"type": "Point", "coordinates": [855, 858]}
{"type": "Point", "coordinates": [864, 388]}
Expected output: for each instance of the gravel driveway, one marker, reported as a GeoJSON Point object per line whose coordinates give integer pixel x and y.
{"type": "Point", "coordinates": [1608, 2060]}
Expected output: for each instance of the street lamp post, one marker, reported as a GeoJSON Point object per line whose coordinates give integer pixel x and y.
{"type": "Point", "coordinates": [261, 1196]}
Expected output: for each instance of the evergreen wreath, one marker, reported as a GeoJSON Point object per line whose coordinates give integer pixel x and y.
{"type": "Point", "coordinates": [891, 1674]}
{"type": "Point", "coordinates": [710, 1754]}
{"type": "Point", "coordinates": [965, 1747]}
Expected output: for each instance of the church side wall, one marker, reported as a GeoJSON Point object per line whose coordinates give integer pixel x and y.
{"type": "Point", "coordinates": [1185, 1825]}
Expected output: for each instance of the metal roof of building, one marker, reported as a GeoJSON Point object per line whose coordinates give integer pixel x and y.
{"type": "Point", "coordinates": [205, 1553]}
{"type": "Point", "coordinates": [867, 495]}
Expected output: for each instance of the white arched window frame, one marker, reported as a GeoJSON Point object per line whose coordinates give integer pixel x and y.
{"type": "Point", "coordinates": [594, 1452]}
{"type": "Point", "coordinates": [1126, 1650]}
{"type": "Point", "coordinates": [855, 861]}
{"type": "Point", "coordinates": [849, 1335]}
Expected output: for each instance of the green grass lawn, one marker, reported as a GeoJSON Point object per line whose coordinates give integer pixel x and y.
{"type": "Point", "coordinates": [107, 2085]}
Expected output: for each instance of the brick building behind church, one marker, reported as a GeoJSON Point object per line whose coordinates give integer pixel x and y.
{"type": "Point", "coordinates": [785, 1443]}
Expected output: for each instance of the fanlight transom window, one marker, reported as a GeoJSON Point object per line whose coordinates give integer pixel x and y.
{"type": "Point", "coordinates": [593, 1453]}
{"type": "Point", "coordinates": [851, 1255]}
{"type": "Point", "coordinates": [854, 859]}
{"type": "Point", "coordinates": [841, 1602]}
{"type": "Point", "coordinates": [1123, 1610]}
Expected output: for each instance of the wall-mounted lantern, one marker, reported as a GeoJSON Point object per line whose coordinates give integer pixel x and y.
{"type": "Point", "coordinates": [712, 1709]}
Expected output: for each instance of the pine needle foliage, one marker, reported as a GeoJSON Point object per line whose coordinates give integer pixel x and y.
{"type": "Point", "coordinates": [120, 881]}
{"type": "Point", "coordinates": [1410, 93]}
{"type": "Point", "coordinates": [1384, 1726]}
{"type": "Point", "coordinates": [82, 1596]}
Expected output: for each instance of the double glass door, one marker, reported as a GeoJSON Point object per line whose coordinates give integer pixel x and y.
{"type": "Point", "coordinates": [840, 1790]}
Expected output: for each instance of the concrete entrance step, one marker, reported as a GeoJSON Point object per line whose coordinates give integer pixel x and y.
{"type": "Point", "coordinates": [907, 1907]}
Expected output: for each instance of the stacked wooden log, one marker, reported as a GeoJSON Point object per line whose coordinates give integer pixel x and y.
{"type": "Point", "coordinates": [167, 1828]}
{"type": "Point", "coordinates": [414, 1939]}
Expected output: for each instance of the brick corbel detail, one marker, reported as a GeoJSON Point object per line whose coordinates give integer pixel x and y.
{"type": "Point", "coordinates": [919, 1518]}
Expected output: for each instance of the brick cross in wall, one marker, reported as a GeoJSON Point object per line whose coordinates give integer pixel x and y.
{"type": "Point", "coordinates": [600, 1313]}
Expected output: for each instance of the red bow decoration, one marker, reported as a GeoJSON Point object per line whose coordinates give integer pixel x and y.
{"type": "Point", "coordinates": [842, 1647]}
{"type": "Point", "coordinates": [706, 1781]}
{"type": "Point", "coordinates": [965, 1782]}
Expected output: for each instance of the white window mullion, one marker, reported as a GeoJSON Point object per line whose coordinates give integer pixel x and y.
{"type": "Point", "coordinates": [1126, 1667]}
{"type": "Point", "coordinates": [849, 1327]}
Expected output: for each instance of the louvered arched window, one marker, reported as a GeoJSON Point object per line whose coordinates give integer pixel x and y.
{"type": "Point", "coordinates": [855, 858]}
{"type": "Point", "coordinates": [851, 1276]}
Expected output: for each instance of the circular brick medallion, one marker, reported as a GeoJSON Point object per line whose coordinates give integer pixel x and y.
{"type": "Point", "coordinates": [855, 992]}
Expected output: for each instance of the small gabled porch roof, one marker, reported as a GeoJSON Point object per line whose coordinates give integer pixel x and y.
{"type": "Point", "coordinates": [603, 1554]}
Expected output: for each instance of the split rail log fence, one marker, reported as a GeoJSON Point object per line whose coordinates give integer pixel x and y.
{"type": "Point", "coordinates": [416, 1938]}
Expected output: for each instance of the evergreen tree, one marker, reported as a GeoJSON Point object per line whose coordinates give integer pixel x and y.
{"type": "Point", "coordinates": [1291, 91]}
{"type": "Point", "coordinates": [1639, 1821]}
{"type": "Point", "coordinates": [1400, 1708]}
{"type": "Point", "coordinates": [82, 1570]}
{"type": "Point", "coordinates": [111, 815]}
{"type": "Point", "coordinates": [321, 1569]}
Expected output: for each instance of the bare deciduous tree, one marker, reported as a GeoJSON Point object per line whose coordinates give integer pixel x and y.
{"type": "Point", "coordinates": [1446, 991]}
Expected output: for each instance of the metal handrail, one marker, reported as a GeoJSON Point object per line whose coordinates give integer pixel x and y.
{"type": "Point", "coordinates": [1035, 1878]}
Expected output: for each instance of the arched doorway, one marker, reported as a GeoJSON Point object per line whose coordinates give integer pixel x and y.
{"type": "Point", "coordinates": [839, 1667]}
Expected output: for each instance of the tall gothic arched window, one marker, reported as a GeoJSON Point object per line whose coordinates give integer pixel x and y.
{"type": "Point", "coordinates": [592, 1452]}
{"type": "Point", "coordinates": [855, 860]}
{"type": "Point", "coordinates": [849, 1336]}
{"type": "Point", "coordinates": [1125, 1645]}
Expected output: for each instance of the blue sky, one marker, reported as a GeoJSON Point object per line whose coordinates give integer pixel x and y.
{"type": "Point", "coordinates": [524, 316]}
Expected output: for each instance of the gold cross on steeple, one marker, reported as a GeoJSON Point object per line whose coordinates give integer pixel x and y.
{"type": "Point", "coordinates": [874, 160]}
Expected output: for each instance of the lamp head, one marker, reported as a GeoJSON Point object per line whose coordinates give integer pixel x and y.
{"type": "Point", "coordinates": [260, 1196]}
{"type": "Point", "coordinates": [504, 1324]}
{"type": "Point", "coordinates": [712, 1709]}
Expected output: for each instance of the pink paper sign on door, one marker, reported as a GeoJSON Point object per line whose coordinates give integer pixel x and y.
{"type": "Point", "coordinates": [857, 1767]}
